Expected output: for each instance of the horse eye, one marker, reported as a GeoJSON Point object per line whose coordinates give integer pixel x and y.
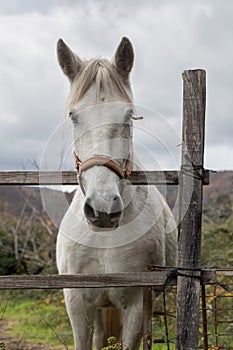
{"type": "Point", "coordinates": [73, 116]}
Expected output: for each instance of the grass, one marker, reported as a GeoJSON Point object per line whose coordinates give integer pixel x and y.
{"type": "Point", "coordinates": [37, 316]}
{"type": "Point", "coordinates": [40, 318]}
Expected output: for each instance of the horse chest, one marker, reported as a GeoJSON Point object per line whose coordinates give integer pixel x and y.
{"type": "Point", "coordinates": [126, 260]}
{"type": "Point", "coordinates": [122, 259]}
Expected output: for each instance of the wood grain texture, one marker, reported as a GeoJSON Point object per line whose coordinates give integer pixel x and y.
{"type": "Point", "coordinates": [189, 242]}
{"type": "Point", "coordinates": [132, 279]}
{"type": "Point", "coordinates": [136, 279]}
{"type": "Point", "coordinates": [36, 178]}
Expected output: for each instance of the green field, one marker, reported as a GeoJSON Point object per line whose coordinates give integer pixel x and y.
{"type": "Point", "coordinates": [40, 318]}
{"type": "Point", "coordinates": [36, 316]}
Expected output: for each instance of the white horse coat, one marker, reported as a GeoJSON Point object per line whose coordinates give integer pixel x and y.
{"type": "Point", "coordinates": [111, 226]}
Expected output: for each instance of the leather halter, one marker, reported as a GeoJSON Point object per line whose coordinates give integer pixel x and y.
{"type": "Point", "coordinates": [102, 161]}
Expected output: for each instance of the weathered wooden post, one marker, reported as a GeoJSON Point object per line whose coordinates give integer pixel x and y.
{"type": "Point", "coordinates": [190, 198]}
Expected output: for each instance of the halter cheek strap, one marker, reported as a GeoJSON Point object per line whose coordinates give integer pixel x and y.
{"type": "Point", "coordinates": [103, 161]}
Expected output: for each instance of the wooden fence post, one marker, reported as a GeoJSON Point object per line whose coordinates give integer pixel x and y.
{"type": "Point", "coordinates": [190, 198]}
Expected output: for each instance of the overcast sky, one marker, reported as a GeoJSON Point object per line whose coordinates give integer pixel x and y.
{"type": "Point", "coordinates": [168, 37]}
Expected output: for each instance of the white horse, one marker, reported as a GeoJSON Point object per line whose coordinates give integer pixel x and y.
{"type": "Point", "coordinates": [110, 226]}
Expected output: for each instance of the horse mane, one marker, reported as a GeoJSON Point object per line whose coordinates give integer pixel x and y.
{"type": "Point", "coordinates": [106, 78]}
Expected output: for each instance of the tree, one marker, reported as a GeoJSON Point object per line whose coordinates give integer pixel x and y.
{"type": "Point", "coordinates": [27, 241]}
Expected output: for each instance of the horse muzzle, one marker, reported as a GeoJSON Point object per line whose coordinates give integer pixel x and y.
{"type": "Point", "coordinates": [104, 214]}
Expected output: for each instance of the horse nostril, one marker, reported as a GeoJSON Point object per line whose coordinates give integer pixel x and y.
{"type": "Point", "coordinates": [117, 205]}
{"type": "Point", "coordinates": [104, 214]}
{"type": "Point", "coordinates": [114, 217]}
{"type": "Point", "coordinates": [116, 209]}
{"type": "Point", "coordinates": [89, 211]}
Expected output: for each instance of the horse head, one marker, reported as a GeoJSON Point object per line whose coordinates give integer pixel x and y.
{"type": "Point", "coordinates": [100, 107]}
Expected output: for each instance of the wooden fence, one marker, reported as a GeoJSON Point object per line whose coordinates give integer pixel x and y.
{"type": "Point", "coordinates": [192, 177]}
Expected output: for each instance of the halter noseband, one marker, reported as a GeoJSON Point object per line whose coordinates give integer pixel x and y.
{"type": "Point", "coordinates": [99, 160]}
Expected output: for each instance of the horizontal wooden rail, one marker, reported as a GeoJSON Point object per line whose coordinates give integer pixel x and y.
{"type": "Point", "coordinates": [83, 281]}
{"type": "Point", "coordinates": [70, 177]}
{"type": "Point", "coordinates": [125, 279]}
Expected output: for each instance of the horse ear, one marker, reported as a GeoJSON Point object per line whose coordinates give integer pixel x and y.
{"type": "Point", "coordinates": [124, 57]}
{"type": "Point", "coordinates": [69, 62]}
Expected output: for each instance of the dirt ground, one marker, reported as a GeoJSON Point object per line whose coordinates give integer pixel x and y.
{"type": "Point", "coordinates": [10, 343]}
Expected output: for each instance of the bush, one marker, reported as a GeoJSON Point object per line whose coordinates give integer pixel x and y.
{"type": "Point", "coordinates": [112, 344]}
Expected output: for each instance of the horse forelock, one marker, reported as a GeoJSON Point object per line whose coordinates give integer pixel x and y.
{"type": "Point", "coordinates": [104, 76]}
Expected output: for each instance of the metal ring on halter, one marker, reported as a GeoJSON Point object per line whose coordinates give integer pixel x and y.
{"type": "Point", "coordinates": [99, 160]}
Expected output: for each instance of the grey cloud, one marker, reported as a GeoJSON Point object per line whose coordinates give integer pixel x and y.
{"type": "Point", "coordinates": [26, 6]}
{"type": "Point", "coordinates": [168, 37]}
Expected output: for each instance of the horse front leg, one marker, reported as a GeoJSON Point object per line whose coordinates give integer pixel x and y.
{"type": "Point", "coordinates": [81, 314]}
{"type": "Point", "coordinates": [133, 323]}
{"type": "Point", "coordinates": [99, 338]}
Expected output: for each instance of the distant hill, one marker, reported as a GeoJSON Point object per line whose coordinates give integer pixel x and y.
{"type": "Point", "coordinates": [220, 182]}
{"type": "Point", "coordinates": [13, 198]}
